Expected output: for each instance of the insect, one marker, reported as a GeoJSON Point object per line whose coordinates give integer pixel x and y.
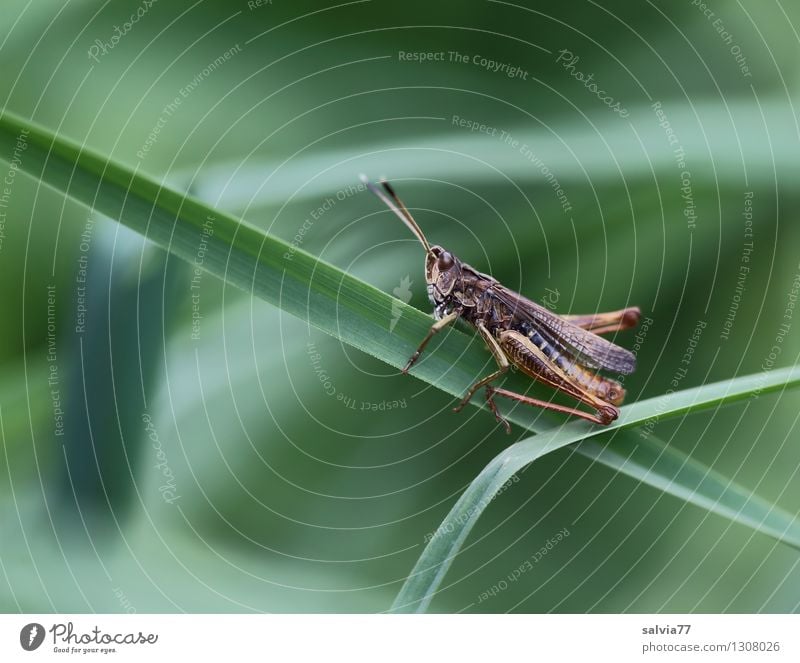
{"type": "Point", "coordinates": [564, 352]}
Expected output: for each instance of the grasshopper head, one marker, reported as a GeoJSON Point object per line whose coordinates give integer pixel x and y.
{"type": "Point", "coordinates": [442, 271]}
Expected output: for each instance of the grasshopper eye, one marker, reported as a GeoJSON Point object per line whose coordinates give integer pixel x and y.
{"type": "Point", "coordinates": [445, 260]}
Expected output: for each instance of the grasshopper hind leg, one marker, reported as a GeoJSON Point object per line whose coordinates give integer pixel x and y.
{"type": "Point", "coordinates": [607, 323]}
{"type": "Point", "coordinates": [605, 414]}
{"type": "Point", "coordinates": [506, 351]}
{"type": "Point", "coordinates": [533, 362]}
{"type": "Point", "coordinates": [490, 392]}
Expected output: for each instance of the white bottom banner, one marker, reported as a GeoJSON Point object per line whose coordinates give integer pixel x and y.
{"type": "Point", "coordinates": [389, 638]}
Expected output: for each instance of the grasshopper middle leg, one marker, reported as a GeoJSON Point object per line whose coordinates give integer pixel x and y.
{"type": "Point", "coordinates": [502, 366]}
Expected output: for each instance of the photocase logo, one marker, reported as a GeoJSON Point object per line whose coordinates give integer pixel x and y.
{"type": "Point", "coordinates": [31, 636]}
{"type": "Point", "coordinates": [403, 293]}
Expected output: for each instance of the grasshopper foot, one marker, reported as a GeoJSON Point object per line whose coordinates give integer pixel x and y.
{"type": "Point", "coordinates": [495, 411]}
{"type": "Point", "coordinates": [464, 402]}
{"type": "Point", "coordinates": [410, 363]}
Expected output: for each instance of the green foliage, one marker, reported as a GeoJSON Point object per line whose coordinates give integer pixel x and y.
{"type": "Point", "coordinates": [296, 492]}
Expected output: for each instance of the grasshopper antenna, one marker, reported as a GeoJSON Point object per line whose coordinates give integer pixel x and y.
{"type": "Point", "coordinates": [396, 205]}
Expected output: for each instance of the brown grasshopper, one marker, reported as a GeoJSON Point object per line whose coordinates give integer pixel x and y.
{"type": "Point", "coordinates": [564, 352]}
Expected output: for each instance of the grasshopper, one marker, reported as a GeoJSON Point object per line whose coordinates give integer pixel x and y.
{"type": "Point", "coordinates": [564, 352]}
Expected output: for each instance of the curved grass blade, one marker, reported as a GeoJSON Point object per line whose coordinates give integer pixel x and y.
{"type": "Point", "coordinates": [675, 475]}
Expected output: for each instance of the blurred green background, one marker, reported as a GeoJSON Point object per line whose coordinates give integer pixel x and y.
{"type": "Point", "coordinates": [261, 484]}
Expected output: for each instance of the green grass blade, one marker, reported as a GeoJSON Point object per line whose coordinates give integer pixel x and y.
{"type": "Point", "coordinates": [657, 464]}
{"type": "Point", "coordinates": [713, 493]}
{"type": "Point", "coordinates": [288, 277]}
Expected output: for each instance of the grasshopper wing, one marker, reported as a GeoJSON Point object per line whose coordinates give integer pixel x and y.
{"type": "Point", "coordinates": [591, 350]}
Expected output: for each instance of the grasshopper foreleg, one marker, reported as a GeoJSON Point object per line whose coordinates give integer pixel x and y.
{"type": "Point", "coordinates": [436, 327]}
